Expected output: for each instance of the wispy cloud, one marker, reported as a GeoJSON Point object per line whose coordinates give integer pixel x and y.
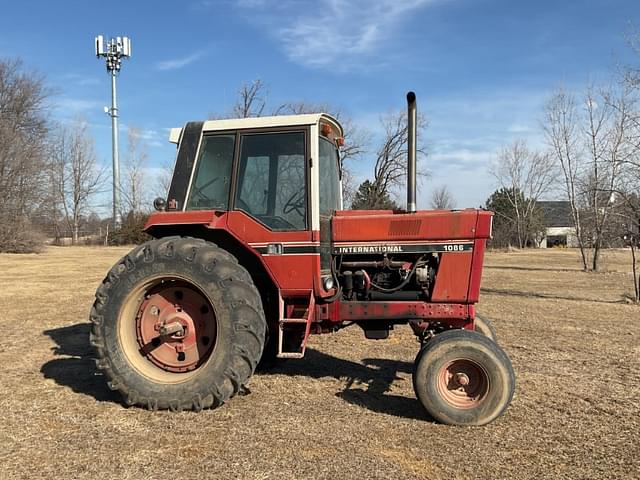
{"type": "Point", "coordinates": [77, 105]}
{"type": "Point", "coordinates": [82, 79]}
{"type": "Point", "coordinates": [461, 158]}
{"type": "Point", "coordinates": [336, 34]}
{"type": "Point", "coordinates": [176, 63]}
{"type": "Point", "coordinates": [150, 136]}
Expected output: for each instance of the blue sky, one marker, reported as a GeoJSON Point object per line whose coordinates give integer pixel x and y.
{"type": "Point", "coordinates": [482, 69]}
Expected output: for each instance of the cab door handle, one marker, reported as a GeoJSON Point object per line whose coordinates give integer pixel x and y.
{"type": "Point", "coordinates": [274, 249]}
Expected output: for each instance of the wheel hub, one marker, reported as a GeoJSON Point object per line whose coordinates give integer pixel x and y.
{"type": "Point", "coordinates": [463, 383]}
{"type": "Point", "coordinates": [462, 379]}
{"type": "Point", "coordinates": [175, 327]}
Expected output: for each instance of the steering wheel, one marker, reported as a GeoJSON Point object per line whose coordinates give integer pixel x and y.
{"type": "Point", "coordinates": [295, 203]}
{"type": "Point", "coordinates": [198, 190]}
{"type": "Point", "coordinates": [277, 222]}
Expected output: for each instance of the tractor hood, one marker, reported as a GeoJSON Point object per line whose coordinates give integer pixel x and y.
{"type": "Point", "coordinates": [389, 226]}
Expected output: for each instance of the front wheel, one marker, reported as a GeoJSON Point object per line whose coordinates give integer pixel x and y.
{"type": "Point", "coordinates": [177, 324]}
{"type": "Point", "coordinates": [463, 378]}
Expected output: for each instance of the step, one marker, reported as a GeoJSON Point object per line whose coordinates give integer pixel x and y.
{"type": "Point", "coordinates": [292, 322]}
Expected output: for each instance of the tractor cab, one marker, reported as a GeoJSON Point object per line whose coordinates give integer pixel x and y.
{"type": "Point", "coordinates": [273, 183]}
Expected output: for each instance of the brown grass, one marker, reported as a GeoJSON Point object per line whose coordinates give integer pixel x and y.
{"type": "Point", "coordinates": [346, 411]}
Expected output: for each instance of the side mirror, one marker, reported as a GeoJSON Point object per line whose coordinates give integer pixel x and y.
{"type": "Point", "coordinates": [160, 204]}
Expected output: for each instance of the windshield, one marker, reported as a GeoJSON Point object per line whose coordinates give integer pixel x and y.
{"type": "Point", "coordinates": [329, 177]}
{"type": "Point", "coordinates": [329, 197]}
{"type": "Point", "coordinates": [210, 187]}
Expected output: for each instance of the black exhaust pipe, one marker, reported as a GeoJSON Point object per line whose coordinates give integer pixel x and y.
{"type": "Point", "coordinates": [411, 150]}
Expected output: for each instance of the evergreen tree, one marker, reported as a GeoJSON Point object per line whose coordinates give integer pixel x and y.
{"type": "Point", "coordinates": [509, 227]}
{"type": "Point", "coordinates": [369, 198]}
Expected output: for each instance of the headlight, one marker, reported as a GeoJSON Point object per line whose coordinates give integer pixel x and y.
{"type": "Point", "coordinates": [328, 283]}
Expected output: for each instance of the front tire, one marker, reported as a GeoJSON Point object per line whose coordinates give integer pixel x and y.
{"type": "Point", "coordinates": [463, 378]}
{"type": "Point", "coordinates": [177, 324]}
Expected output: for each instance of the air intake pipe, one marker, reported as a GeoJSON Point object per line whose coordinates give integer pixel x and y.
{"type": "Point", "coordinates": [411, 152]}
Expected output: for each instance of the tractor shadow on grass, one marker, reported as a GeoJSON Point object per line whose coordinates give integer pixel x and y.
{"type": "Point", "coordinates": [366, 384]}
{"type": "Point", "coordinates": [76, 369]}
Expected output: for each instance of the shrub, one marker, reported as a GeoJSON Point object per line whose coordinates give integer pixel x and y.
{"type": "Point", "coordinates": [131, 231]}
{"type": "Point", "coordinates": [19, 236]}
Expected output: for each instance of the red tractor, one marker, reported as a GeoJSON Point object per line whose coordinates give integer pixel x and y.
{"type": "Point", "coordinates": [252, 253]}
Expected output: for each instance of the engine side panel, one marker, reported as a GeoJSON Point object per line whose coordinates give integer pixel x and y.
{"type": "Point", "coordinates": [452, 279]}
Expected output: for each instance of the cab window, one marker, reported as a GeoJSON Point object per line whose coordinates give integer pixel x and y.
{"type": "Point", "coordinates": [329, 177]}
{"type": "Point", "coordinates": [329, 197]}
{"type": "Point", "coordinates": [212, 178]}
{"type": "Point", "coordinates": [272, 184]}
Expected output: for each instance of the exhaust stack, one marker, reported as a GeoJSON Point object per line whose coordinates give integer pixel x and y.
{"type": "Point", "coordinates": [411, 152]}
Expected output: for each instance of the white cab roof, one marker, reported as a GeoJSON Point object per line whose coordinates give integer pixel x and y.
{"type": "Point", "coordinates": [261, 122]}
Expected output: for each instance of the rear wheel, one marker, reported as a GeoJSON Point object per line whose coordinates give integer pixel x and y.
{"type": "Point", "coordinates": [463, 378]}
{"type": "Point", "coordinates": [177, 324]}
{"type": "Point", "coordinates": [485, 326]}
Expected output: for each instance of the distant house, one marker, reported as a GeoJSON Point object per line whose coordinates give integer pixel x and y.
{"type": "Point", "coordinates": [558, 223]}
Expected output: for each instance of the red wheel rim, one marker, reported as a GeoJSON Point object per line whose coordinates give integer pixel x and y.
{"type": "Point", "coordinates": [463, 383]}
{"type": "Point", "coordinates": [175, 327]}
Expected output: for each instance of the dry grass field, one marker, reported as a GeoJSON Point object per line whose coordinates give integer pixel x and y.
{"type": "Point", "coordinates": [346, 411]}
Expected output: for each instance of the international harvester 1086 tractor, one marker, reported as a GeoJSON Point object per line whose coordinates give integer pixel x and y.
{"type": "Point", "coordinates": [252, 253]}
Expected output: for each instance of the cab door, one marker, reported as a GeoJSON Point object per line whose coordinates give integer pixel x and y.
{"type": "Point", "coordinates": [270, 204]}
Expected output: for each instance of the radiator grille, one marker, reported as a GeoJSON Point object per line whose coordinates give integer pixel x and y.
{"type": "Point", "coordinates": [401, 228]}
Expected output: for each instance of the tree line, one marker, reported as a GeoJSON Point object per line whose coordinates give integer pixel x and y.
{"type": "Point", "coordinates": [590, 159]}
{"type": "Point", "coordinates": [50, 176]}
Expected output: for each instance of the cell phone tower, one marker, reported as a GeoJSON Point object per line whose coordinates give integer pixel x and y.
{"type": "Point", "coordinates": [114, 51]}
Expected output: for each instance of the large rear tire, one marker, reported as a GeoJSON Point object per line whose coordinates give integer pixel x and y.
{"type": "Point", "coordinates": [463, 378]}
{"type": "Point", "coordinates": [177, 324]}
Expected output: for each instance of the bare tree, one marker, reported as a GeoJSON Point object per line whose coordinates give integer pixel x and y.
{"type": "Point", "coordinates": [442, 198]}
{"type": "Point", "coordinates": [631, 73]}
{"type": "Point", "coordinates": [23, 136]}
{"type": "Point", "coordinates": [163, 180]}
{"type": "Point", "coordinates": [592, 145]}
{"type": "Point", "coordinates": [630, 185]}
{"type": "Point", "coordinates": [561, 130]}
{"type": "Point", "coordinates": [608, 119]}
{"type": "Point", "coordinates": [390, 169]}
{"type": "Point", "coordinates": [251, 101]}
{"type": "Point", "coordinates": [133, 188]}
{"type": "Point", "coordinates": [627, 226]}
{"type": "Point", "coordinates": [75, 174]}
{"type": "Point", "coordinates": [525, 176]}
